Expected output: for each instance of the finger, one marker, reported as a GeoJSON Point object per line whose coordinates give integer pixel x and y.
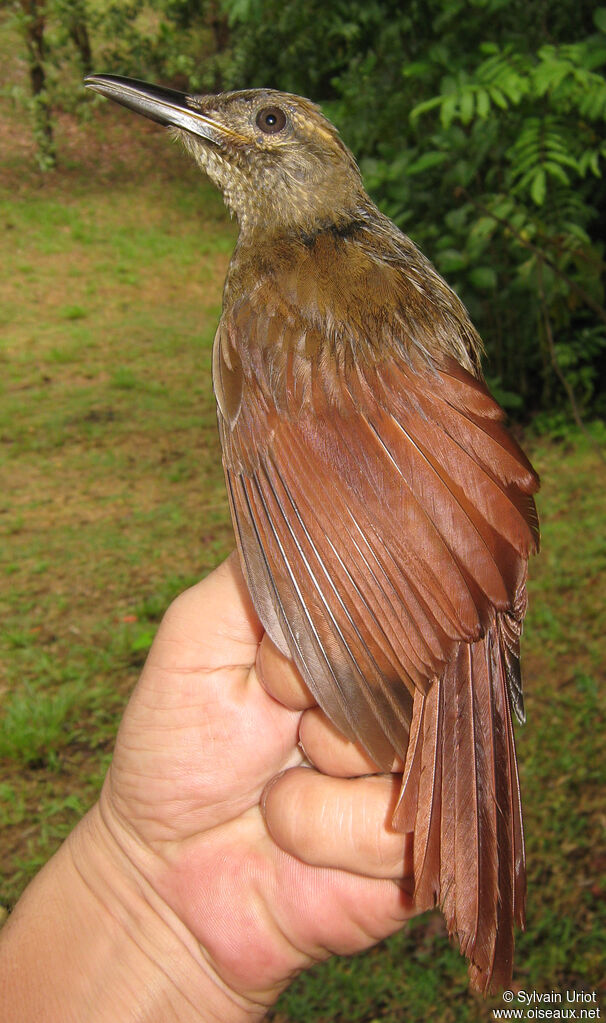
{"type": "Point", "coordinates": [331, 752]}
{"type": "Point", "coordinates": [279, 677]}
{"type": "Point", "coordinates": [337, 822]}
{"type": "Point", "coordinates": [212, 625]}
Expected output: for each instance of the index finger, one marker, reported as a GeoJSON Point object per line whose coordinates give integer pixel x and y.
{"type": "Point", "coordinates": [212, 625]}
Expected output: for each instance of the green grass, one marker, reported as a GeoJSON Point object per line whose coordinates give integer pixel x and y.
{"type": "Point", "coordinates": [111, 489]}
{"type": "Point", "coordinates": [112, 501]}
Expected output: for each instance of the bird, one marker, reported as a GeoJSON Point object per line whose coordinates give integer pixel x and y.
{"type": "Point", "coordinates": [383, 514]}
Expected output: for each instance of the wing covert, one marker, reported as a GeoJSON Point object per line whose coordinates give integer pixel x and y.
{"type": "Point", "coordinates": [374, 530]}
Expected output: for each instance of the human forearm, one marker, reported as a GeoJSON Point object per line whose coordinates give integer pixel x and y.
{"type": "Point", "coordinates": [186, 894]}
{"type": "Point", "coordinates": [91, 941]}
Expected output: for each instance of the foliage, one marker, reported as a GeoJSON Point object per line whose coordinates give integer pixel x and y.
{"type": "Point", "coordinates": [480, 129]}
{"type": "Point", "coordinates": [531, 197]}
{"type": "Point", "coordinates": [479, 125]}
{"type": "Point", "coordinates": [30, 16]}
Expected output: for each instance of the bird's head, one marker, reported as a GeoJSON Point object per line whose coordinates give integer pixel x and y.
{"type": "Point", "coordinates": [279, 163]}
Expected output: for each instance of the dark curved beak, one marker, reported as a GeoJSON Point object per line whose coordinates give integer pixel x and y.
{"type": "Point", "coordinates": [165, 106]}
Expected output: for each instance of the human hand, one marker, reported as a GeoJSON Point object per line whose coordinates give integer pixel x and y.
{"type": "Point", "coordinates": [201, 846]}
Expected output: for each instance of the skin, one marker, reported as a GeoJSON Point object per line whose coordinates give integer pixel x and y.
{"type": "Point", "coordinates": [214, 866]}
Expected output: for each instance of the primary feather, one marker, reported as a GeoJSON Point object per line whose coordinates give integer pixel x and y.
{"type": "Point", "coordinates": [384, 518]}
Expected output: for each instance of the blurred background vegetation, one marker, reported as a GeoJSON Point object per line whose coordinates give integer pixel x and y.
{"type": "Point", "coordinates": [480, 127]}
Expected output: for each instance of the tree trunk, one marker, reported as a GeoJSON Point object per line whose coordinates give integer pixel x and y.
{"type": "Point", "coordinates": [33, 24]}
{"type": "Point", "coordinates": [78, 31]}
{"type": "Point", "coordinates": [219, 26]}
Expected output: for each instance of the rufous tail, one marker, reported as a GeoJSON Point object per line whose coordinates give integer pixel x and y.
{"type": "Point", "coordinates": [460, 796]}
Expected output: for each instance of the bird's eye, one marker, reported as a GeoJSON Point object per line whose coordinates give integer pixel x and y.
{"type": "Point", "coordinates": [271, 120]}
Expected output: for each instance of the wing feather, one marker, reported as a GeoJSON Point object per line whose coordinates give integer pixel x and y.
{"type": "Point", "coordinates": [384, 517]}
{"type": "Point", "coordinates": [318, 501]}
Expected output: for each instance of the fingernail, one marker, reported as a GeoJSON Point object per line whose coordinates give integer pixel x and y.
{"type": "Point", "coordinates": [306, 761]}
{"type": "Point", "coordinates": [268, 788]}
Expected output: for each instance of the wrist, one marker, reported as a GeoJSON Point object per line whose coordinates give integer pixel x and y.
{"type": "Point", "coordinates": [92, 940]}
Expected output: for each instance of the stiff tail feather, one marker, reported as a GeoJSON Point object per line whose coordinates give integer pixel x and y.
{"type": "Point", "coordinates": [460, 796]}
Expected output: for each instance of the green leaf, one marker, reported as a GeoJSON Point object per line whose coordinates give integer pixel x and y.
{"type": "Point", "coordinates": [449, 109]}
{"type": "Point", "coordinates": [425, 162]}
{"type": "Point", "coordinates": [591, 160]}
{"type": "Point", "coordinates": [549, 75]}
{"type": "Point", "coordinates": [599, 19]}
{"type": "Point", "coordinates": [416, 69]}
{"type": "Point", "coordinates": [595, 58]}
{"type": "Point", "coordinates": [577, 232]}
{"type": "Point", "coordinates": [484, 227]}
{"type": "Point", "coordinates": [450, 260]}
{"type": "Point", "coordinates": [466, 106]}
{"type": "Point", "coordinates": [538, 187]}
{"type": "Point", "coordinates": [482, 103]}
{"type": "Point", "coordinates": [456, 218]}
{"type": "Point", "coordinates": [508, 399]}
{"type": "Point", "coordinates": [557, 172]}
{"type": "Point", "coordinates": [502, 208]}
{"type": "Point", "coordinates": [483, 278]}
{"type": "Point", "coordinates": [422, 108]}
{"type": "Point", "coordinates": [593, 104]}
{"type": "Point", "coordinates": [498, 98]}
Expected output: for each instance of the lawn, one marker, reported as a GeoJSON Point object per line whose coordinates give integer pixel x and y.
{"type": "Point", "coordinates": [112, 501]}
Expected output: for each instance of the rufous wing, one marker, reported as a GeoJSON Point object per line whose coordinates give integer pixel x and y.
{"type": "Point", "coordinates": [384, 518]}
